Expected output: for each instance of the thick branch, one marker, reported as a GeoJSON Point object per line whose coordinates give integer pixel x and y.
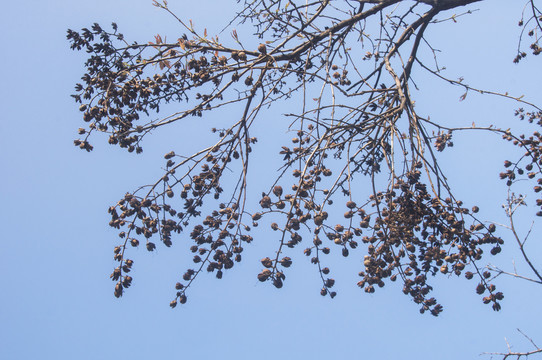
{"type": "Point", "coordinates": [447, 4]}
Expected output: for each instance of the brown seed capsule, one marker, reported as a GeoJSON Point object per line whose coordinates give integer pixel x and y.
{"type": "Point", "coordinates": [323, 292]}
{"type": "Point", "coordinates": [277, 190]}
{"type": "Point", "coordinates": [264, 275]}
{"type": "Point", "coordinates": [267, 262]}
{"type": "Point", "coordinates": [286, 261]}
{"type": "Point", "coordinates": [265, 202]}
{"type": "Point", "coordinates": [350, 204]}
{"type": "Point", "coordinates": [256, 216]}
{"type": "Point", "coordinates": [262, 49]}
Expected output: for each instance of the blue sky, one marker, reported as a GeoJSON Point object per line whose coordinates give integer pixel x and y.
{"type": "Point", "coordinates": [56, 248]}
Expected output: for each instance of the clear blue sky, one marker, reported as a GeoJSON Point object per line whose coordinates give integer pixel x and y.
{"type": "Point", "coordinates": [56, 248]}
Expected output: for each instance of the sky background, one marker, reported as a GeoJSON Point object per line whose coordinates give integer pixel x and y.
{"type": "Point", "coordinates": [56, 299]}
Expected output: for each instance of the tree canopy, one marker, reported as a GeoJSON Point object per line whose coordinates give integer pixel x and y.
{"type": "Point", "coordinates": [362, 176]}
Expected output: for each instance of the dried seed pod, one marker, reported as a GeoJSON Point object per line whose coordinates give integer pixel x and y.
{"type": "Point", "coordinates": [264, 275]}
{"type": "Point", "coordinates": [351, 205]}
{"type": "Point", "coordinates": [277, 190]}
{"type": "Point", "coordinates": [256, 216]}
{"type": "Point", "coordinates": [286, 261]}
{"type": "Point", "coordinates": [267, 262]}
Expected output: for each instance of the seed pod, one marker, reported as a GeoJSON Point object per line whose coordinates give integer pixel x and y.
{"type": "Point", "coordinates": [318, 220]}
{"type": "Point", "coordinates": [323, 292]}
{"type": "Point", "coordinates": [277, 190]}
{"type": "Point", "coordinates": [459, 266]}
{"type": "Point", "coordinates": [264, 275]}
{"type": "Point", "coordinates": [286, 261]}
{"type": "Point", "coordinates": [265, 202]}
{"type": "Point", "coordinates": [267, 262]}
{"type": "Point", "coordinates": [118, 290]}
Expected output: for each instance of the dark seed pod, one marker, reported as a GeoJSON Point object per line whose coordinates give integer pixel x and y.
{"type": "Point", "coordinates": [264, 275]}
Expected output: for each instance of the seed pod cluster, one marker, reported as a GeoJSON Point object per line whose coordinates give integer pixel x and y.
{"type": "Point", "coordinates": [529, 166]}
